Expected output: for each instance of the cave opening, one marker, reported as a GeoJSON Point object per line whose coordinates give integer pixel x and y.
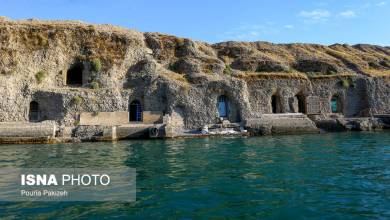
{"type": "Point", "coordinates": [74, 76]}
{"type": "Point", "coordinates": [301, 103]}
{"type": "Point", "coordinates": [33, 115]}
{"type": "Point", "coordinates": [275, 104]}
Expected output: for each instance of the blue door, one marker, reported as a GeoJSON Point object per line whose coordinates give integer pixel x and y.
{"type": "Point", "coordinates": [135, 111]}
{"type": "Point", "coordinates": [222, 106]}
{"type": "Point", "coordinates": [333, 105]}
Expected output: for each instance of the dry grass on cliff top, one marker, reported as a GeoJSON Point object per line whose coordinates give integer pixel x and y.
{"type": "Point", "coordinates": [108, 43]}
{"type": "Point", "coordinates": [69, 24]}
{"type": "Point", "coordinates": [173, 75]}
{"type": "Point", "coordinates": [377, 73]}
{"type": "Point", "coordinates": [179, 78]}
{"type": "Point", "coordinates": [339, 75]}
{"type": "Point", "coordinates": [271, 75]}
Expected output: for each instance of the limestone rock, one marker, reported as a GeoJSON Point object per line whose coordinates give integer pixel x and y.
{"type": "Point", "coordinates": [69, 67]}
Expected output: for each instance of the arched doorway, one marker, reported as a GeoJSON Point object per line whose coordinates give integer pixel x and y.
{"type": "Point", "coordinates": [275, 104]}
{"type": "Point", "coordinates": [33, 114]}
{"type": "Point", "coordinates": [335, 104]}
{"type": "Point", "coordinates": [135, 109]}
{"type": "Point", "coordinates": [222, 106]}
{"type": "Point", "coordinates": [301, 103]}
{"type": "Point", "coordinates": [74, 76]}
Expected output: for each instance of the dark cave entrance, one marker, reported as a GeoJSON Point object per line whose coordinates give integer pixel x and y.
{"type": "Point", "coordinates": [74, 76]}
{"type": "Point", "coordinates": [275, 104]}
{"type": "Point", "coordinates": [301, 103]}
{"type": "Point", "coordinates": [33, 115]}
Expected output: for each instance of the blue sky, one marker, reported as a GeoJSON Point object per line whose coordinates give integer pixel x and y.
{"type": "Point", "coordinates": [278, 21]}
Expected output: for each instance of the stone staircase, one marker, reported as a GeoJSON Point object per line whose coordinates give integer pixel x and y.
{"type": "Point", "coordinates": [225, 127]}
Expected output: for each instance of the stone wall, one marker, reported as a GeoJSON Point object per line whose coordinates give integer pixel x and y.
{"type": "Point", "coordinates": [247, 99]}
{"type": "Point", "coordinates": [351, 91]}
{"type": "Point", "coordinates": [150, 117]}
{"type": "Point", "coordinates": [104, 118]}
{"type": "Point", "coordinates": [262, 90]}
{"type": "Point", "coordinates": [378, 95]}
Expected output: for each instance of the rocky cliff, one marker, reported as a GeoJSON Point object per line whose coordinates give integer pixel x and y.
{"type": "Point", "coordinates": [168, 73]}
{"type": "Point", "coordinates": [42, 43]}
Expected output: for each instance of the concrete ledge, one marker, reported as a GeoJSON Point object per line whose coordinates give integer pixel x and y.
{"type": "Point", "coordinates": [131, 131]}
{"type": "Point", "coordinates": [27, 130]}
{"type": "Point", "coordinates": [284, 115]}
{"type": "Point", "coordinates": [28, 140]}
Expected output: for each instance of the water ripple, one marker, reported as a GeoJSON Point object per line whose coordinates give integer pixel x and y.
{"type": "Point", "coordinates": [330, 176]}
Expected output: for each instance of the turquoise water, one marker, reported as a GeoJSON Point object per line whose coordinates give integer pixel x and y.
{"type": "Point", "coordinates": [329, 176]}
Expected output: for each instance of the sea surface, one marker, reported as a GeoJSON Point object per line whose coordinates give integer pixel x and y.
{"type": "Point", "coordinates": [327, 176]}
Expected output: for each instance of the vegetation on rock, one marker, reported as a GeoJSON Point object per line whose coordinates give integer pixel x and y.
{"type": "Point", "coordinates": [228, 70]}
{"type": "Point", "coordinates": [95, 85]}
{"type": "Point", "coordinates": [77, 100]}
{"type": "Point", "coordinates": [345, 83]}
{"type": "Point", "coordinates": [96, 65]}
{"type": "Point", "coordinates": [40, 76]}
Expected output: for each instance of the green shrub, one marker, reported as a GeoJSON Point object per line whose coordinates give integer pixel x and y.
{"type": "Point", "coordinates": [40, 76]}
{"type": "Point", "coordinates": [95, 85]}
{"type": "Point", "coordinates": [311, 74]}
{"type": "Point", "coordinates": [76, 123]}
{"type": "Point", "coordinates": [77, 100]}
{"type": "Point", "coordinates": [96, 65]}
{"type": "Point", "coordinates": [345, 83]}
{"type": "Point", "coordinates": [228, 70]}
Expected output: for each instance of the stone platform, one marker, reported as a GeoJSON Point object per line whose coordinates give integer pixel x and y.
{"type": "Point", "coordinates": [290, 123]}
{"type": "Point", "coordinates": [24, 132]}
{"type": "Point", "coordinates": [132, 131]}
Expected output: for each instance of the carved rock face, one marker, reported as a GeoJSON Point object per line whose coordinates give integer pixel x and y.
{"type": "Point", "coordinates": [165, 72]}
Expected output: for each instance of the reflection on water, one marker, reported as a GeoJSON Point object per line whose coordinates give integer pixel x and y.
{"type": "Point", "coordinates": [335, 176]}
